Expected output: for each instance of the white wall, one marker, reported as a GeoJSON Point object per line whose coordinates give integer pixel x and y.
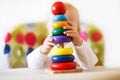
{"type": "Point", "coordinates": [103, 13]}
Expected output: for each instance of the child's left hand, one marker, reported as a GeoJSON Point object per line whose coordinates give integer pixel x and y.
{"type": "Point", "coordinates": [73, 32]}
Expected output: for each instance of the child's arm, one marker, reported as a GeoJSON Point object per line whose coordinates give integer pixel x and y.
{"type": "Point", "coordinates": [86, 57]}
{"type": "Point", "coordinates": [39, 57]}
{"type": "Point", "coordinates": [37, 60]}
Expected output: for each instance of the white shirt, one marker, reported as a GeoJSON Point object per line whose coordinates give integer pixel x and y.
{"type": "Point", "coordinates": [84, 57]}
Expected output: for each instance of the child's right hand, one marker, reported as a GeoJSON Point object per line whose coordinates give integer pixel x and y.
{"type": "Point", "coordinates": [47, 45]}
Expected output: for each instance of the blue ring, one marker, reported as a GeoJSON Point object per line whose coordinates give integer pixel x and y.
{"type": "Point", "coordinates": [65, 58]}
{"type": "Point", "coordinates": [59, 18]}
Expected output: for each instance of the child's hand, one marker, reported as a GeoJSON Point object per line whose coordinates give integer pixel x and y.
{"type": "Point", "coordinates": [47, 45]}
{"type": "Point", "coordinates": [73, 32]}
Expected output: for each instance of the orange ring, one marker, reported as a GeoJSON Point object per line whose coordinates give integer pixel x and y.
{"type": "Point", "coordinates": [59, 24]}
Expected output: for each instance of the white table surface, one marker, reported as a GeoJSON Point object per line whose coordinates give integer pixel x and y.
{"type": "Point", "coordinates": [97, 73]}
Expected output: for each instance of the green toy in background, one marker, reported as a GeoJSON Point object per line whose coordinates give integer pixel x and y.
{"type": "Point", "coordinates": [96, 41]}
{"type": "Point", "coordinates": [22, 40]}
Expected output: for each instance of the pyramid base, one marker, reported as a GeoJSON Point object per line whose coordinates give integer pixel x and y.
{"type": "Point", "coordinates": [64, 71]}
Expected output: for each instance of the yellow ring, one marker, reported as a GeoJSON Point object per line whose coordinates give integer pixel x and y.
{"type": "Point", "coordinates": [61, 51]}
{"type": "Point", "coordinates": [59, 24]}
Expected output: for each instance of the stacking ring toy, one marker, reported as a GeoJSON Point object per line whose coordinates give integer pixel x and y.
{"type": "Point", "coordinates": [59, 18]}
{"type": "Point", "coordinates": [60, 24]}
{"type": "Point", "coordinates": [66, 58]}
{"type": "Point", "coordinates": [58, 31]}
{"type": "Point", "coordinates": [61, 38]}
{"type": "Point", "coordinates": [63, 65]}
{"type": "Point", "coordinates": [61, 51]}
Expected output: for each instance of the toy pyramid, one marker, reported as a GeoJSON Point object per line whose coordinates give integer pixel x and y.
{"type": "Point", "coordinates": [62, 58]}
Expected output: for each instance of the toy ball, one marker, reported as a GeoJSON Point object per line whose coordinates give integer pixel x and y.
{"type": "Point", "coordinates": [58, 8]}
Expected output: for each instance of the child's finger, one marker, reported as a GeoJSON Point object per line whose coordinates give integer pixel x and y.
{"type": "Point", "coordinates": [50, 39]}
{"type": "Point", "coordinates": [68, 27]}
{"type": "Point", "coordinates": [51, 44]}
{"type": "Point", "coordinates": [69, 31]}
{"type": "Point", "coordinates": [69, 23]}
{"type": "Point", "coordinates": [50, 34]}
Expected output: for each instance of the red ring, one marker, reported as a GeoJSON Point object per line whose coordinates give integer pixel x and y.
{"type": "Point", "coordinates": [63, 65]}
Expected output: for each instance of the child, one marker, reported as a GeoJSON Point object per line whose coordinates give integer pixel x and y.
{"type": "Point", "coordinates": [84, 56]}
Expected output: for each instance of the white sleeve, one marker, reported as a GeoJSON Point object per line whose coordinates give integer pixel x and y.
{"type": "Point", "coordinates": [37, 60]}
{"type": "Point", "coordinates": [86, 57]}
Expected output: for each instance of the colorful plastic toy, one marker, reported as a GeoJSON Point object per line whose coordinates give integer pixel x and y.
{"type": "Point", "coordinates": [63, 65]}
{"type": "Point", "coordinates": [58, 31]}
{"type": "Point", "coordinates": [59, 24]}
{"type": "Point", "coordinates": [61, 51]}
{"type": "Point", "coordinates": [58, 8]}
{"type": "Point", "coordinates": [61, 38]}
{"type": "Point", "coordinates": [59, 18]}
{"type": "Point", "coordinates": [62, 58]}
{"type": "Point", "coordinates": [22, 40]}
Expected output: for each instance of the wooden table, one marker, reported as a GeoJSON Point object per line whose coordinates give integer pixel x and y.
{"type": "Point", "coordinates": [97, 73]}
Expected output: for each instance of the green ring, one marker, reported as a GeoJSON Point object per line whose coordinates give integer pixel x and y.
{"type": "Point", "coordinates": [58, 31]}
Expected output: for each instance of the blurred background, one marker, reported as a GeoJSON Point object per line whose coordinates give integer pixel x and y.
{"type": "Point", "coordinates": [105, 14]}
